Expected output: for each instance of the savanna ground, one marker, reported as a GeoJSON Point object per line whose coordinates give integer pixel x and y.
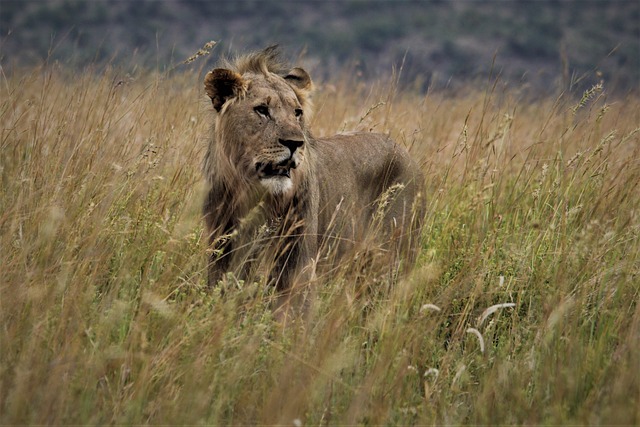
{"type": "Point", "coordinates": [523, 307]}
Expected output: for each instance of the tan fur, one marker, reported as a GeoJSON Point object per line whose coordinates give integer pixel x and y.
{"type": "Point", "coordinates": [279, 195]}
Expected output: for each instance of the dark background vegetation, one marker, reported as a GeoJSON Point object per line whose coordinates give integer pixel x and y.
{"type": "Point", "coordinates": [543, 45]}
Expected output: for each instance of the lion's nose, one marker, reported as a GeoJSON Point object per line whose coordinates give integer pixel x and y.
{"type": "Point", "coordinates": [291, 144]}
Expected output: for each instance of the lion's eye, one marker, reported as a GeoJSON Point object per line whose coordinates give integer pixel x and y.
{"type": "Point", "coordinates": [263, 110]}
{"type": "Point", "coordinates": [299, 112]}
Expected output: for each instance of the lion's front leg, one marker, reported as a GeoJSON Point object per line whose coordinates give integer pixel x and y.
{"type": "Point", "coordinates": [296, 296]}
{"type": "Point", "coordinates": [297, 270]}
{"type": "Point", "coordinates": [216, 268]}
{"type": "Point", "coordinates": [220, 225]}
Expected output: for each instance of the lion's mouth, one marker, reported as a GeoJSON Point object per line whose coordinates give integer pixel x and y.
{"type": "Point", "coordinates": [269, 170]}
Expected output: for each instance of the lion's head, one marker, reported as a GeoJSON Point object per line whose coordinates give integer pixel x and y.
{"type": "Point", "coordinates": [260, 134]}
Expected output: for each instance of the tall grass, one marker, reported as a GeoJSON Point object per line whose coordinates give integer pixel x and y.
{"type": "Point", "coordinates": [523, 307]}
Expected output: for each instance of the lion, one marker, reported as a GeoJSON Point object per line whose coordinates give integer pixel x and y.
{"type": "Point", "coordinates": [278, 194]}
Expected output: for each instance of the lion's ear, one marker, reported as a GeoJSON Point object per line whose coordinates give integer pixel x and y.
{"type": "Point", "coordinates": [299, 79]}
{"type": "Point", "coordinates": [222, 84]}
{"type": "Point", "coordinates": [301, 83]}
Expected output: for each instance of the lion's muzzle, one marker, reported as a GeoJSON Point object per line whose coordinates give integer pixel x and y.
{"type": "Point", "coordinates": [291, 144]}
{"type": "Point", "coordinates": [283, 168]}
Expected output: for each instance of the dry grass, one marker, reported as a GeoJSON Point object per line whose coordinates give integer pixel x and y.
{"type": "Point", "coordinates": [531, 251]}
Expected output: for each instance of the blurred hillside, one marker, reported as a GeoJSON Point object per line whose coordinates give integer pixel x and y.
{"type": "Point", "coordinates": [543, 45]}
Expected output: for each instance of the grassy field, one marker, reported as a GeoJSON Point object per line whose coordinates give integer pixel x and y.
{"type": "Point", "coordinates": [523, 307]}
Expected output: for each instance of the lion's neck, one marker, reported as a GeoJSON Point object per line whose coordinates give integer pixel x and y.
{"type": "Point", "coordinates": [244, 199]}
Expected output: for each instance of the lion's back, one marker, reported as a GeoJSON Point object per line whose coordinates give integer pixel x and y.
{"type": "Point", "coordinates": [354, 171]}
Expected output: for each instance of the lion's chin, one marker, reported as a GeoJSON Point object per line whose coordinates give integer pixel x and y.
{"type": "Point", "coordinates": [277, 185]}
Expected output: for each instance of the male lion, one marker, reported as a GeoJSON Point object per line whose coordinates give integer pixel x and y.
{"type": "Point", "coordinates": [277, 195]}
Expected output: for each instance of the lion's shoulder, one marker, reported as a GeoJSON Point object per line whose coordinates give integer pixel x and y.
{"type": "Point", "coordinates": [360, 136]}
{"type": "Point", "coordinates": [360, 150]}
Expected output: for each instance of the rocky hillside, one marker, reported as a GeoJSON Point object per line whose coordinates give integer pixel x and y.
{"type": "Point", "coordinates": [544, 45]}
